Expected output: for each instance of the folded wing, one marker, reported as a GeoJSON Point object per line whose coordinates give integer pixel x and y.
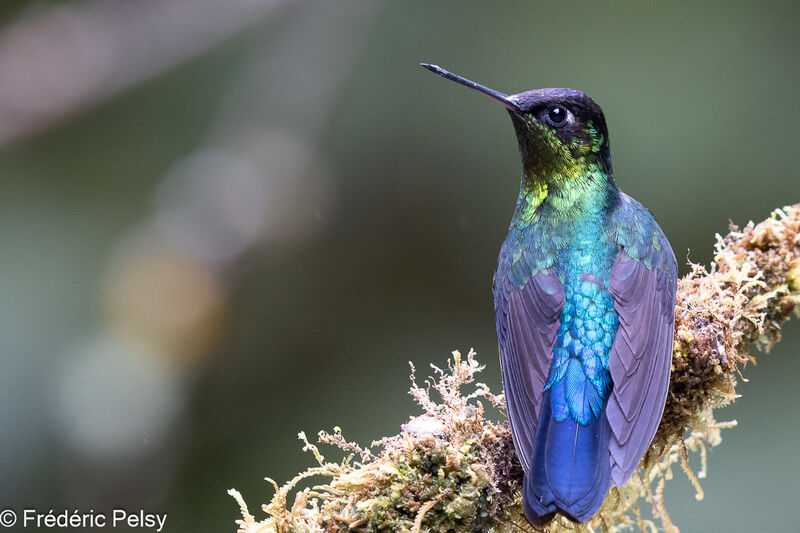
{"type": "Point", "coordinates": [640, 359]}
{"type": "Point", "coordinates": [528, 325]}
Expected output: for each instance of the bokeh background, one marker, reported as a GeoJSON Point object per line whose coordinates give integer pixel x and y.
{"type": "Point", "coordinates": [226, 221]}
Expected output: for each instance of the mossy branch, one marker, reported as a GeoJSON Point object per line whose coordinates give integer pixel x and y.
{"type": "Point", "coordinates": [452, 469]}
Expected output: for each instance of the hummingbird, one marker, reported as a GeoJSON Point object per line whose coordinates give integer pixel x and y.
{"type": "Point", "coordinates": [584, 299]}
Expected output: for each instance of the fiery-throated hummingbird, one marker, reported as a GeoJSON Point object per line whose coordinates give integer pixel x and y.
{"type": "Point", "coordinates": [584, 297]}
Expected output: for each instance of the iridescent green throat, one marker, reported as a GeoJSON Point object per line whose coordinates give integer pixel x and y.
{"type": "Point", "coordinates": [564, 182]}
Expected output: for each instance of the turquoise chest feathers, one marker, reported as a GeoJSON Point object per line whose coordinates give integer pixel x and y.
{"type": "Point", "coordinates": [576, 241]}
{"type": "Point", "coordinates": [579, 378]}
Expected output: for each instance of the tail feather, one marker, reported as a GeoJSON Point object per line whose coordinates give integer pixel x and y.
{"type": "Point", "coordinates": [571, 468]}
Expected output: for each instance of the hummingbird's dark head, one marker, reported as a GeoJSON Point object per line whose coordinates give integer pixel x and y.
{"type": "Point", "coordinates": [558, 130]}
{"type": "Point", "coordinates": [562, 133]}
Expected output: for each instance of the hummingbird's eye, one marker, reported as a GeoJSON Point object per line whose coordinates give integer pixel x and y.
{"type": "Point", "coordinates": [557, 115]}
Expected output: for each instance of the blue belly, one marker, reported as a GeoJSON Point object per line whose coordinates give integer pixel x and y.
{"type": "Point", "coordinates": [579, 378]}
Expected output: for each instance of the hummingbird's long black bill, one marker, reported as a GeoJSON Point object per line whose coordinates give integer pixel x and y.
{"type": "Point", "coordinates": [491, 93]}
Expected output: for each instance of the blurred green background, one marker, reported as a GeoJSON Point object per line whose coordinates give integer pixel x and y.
{"type": "Point", "coordinates": [227, 221]}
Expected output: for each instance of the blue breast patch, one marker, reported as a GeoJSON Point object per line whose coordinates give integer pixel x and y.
{"type": "Point", "coordinates": [579, 378]}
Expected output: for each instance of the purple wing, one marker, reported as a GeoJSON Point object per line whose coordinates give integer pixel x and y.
{"type": "Point", "coordinates": [640, 359]}
{"type": "Point", "coordinates": [528, 324]}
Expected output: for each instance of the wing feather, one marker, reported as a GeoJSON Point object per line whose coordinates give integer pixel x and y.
{"type": "Point", "coordinates": [640, 359]}
{"type": "Point", "coordinates": [528, 324]}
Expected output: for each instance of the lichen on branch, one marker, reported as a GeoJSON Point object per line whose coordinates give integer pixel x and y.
{"type": "Point", "coordinates": [453, 469]}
